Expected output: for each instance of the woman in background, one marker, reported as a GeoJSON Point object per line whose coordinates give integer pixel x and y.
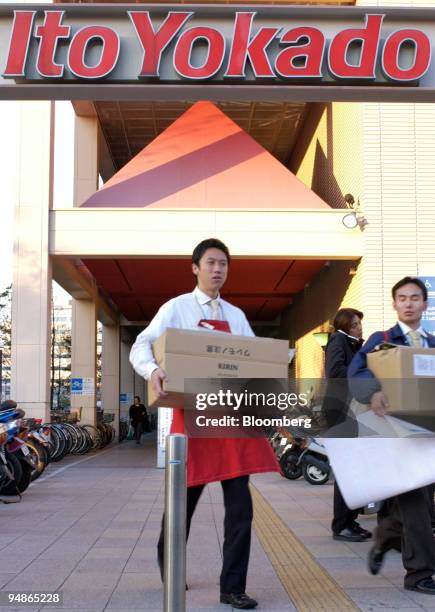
{"type": "Point", "coordinates": [342, 346]}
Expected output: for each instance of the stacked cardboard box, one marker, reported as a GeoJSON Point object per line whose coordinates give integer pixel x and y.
{"type": "Point", "coordinates": [203, 354]}
{"type": "Point", "coordinates": [407, 375]}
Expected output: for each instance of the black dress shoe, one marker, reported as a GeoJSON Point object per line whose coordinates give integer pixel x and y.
{"type": "Point", "coordinates": [365, 534]}
{"type": "Point", "coordinates": [375, 560]}
{"type": "Point", "coordinates": [241, 601]}
{"type": "Point", "coordinates": [426, 585]}
{"type": "Point", "coordinates": [350, 534]}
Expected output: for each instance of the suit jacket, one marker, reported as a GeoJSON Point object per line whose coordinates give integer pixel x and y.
{"type": "Point", "coordinates": [362, 382]}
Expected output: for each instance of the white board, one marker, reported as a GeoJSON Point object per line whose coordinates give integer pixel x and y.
{"type": "Point", "coordinates": [375, 468]}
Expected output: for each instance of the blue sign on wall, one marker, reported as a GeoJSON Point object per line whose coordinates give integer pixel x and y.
{"type": "Point", "coordinates": [123, 398]}
{"type": "Point", "coordinates": [77, 386]}
{"type": "Point", "coordinates": [428, 319]}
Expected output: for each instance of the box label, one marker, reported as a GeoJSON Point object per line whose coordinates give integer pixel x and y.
{"type": "Point", "coordinates": [424, 365]}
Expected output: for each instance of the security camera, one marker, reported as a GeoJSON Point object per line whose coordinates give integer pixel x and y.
{"type": "Point", "coordinates": [349, 199]}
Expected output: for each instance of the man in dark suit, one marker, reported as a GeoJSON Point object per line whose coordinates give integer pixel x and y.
{"type": "Point", "coordinates": [404, 522]}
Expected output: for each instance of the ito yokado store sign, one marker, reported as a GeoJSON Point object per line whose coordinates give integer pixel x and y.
{"type": "Point", "coordinates": [270, 52]}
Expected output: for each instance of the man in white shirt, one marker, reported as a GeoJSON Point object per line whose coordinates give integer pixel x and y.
{"type": "Point", "coordinates": [214, 459]}
{"type": "Point", "coordinates": [404, 522]}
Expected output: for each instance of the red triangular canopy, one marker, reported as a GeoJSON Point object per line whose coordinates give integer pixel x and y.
{"type": "Point", "coordinates": [205, 160]}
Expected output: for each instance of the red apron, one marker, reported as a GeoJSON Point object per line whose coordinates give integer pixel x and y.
{"type": "Point", "coordinates": [215, 459]}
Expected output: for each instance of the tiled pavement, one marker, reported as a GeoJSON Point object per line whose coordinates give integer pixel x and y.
{"type": "Point", "coordinates": [88, 527]}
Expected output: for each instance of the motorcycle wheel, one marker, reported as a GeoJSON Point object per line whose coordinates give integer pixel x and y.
{"type": "Point", "coordinates": [313, 475]}
{"type": "Point", "coordinates": [39, 455]}
{"type": "Point", "coordinates": [16, 468]}
{"type": "Point", "coordinates": [26, 478]}
{"type": "Point", "coordinates": [288, 466]}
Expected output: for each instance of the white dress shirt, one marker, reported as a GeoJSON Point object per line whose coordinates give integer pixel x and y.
{"type": "Point", "coordinates": [406, 329]}
{"type": "Point", "coordinates": [183, 312]}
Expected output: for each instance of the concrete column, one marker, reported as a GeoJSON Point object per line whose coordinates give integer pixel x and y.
{"type": "Point", "coordinates": [63, 185]}
{"type": "Point", "coordinates": [110, 373]}
{"type": "Point", "coordinates": [127, 379]}
{"type": "Point", "coordinates": [84, 357]}
{"type": "Point", "coordinates": [84, 312]}
{"type": "Point", "coordinates": [31, 299]}
{"type": "Point", "coordinates": [85, 158]}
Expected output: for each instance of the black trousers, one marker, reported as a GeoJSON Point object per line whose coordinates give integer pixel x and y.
{"type": "Point", "coordinates": [404, 524]}
{"type": "Point", "coordinates": [237, 531]}
{"type": "Point", "coordinates": [344, 517]}
{"type": "Point", "coordinates": [137, 431]}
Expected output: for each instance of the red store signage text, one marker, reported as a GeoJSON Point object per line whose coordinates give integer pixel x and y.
{"type": "Point", "coordinates": [303, 52]}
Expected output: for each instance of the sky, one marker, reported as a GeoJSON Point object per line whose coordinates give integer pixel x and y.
{"type": "Point", "coordinates": [63, 177]}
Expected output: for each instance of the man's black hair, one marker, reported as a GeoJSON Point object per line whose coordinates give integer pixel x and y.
{"type": "Point", "coordinates": [137, 397]}
{"type": "Point", "coordinates": [410, 279]}
{"type": "Point", "coordinates": [210, 243]}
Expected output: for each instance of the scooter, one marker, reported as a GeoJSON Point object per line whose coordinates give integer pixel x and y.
{"type": "Point", "coordinates": [289, 459]}
{"type": "Point", "coordinates": [6, 474]}
{"type": "Point", "coordinates": [278, 441]}
{"type": "Point", "coordinates": [17, 454]}
{"type": "Point", "coordinates": [311, 460]}
{"type": "Point", "coordinates": [38, 442]}
{"type": "Point", "coordinates": [11, 470]}
{"type": "Point", "coordinates": [314, 461]}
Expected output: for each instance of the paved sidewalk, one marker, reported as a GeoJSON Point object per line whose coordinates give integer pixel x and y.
{"type": "Point", "coordinates": [307, 511]}
{"type": "Point", "coordinates": [89, 526]}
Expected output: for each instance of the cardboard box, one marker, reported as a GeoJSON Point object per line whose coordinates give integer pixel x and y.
{"type": "Point", "coordinates": [407, 375]}
{"type": "Point", "coordinates": [204, 354]}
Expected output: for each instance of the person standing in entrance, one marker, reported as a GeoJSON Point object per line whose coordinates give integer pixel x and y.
{"type": "Point", "coordinates": [229, 461]}
{"type": "Point", "coordinates": [404, 521]}
{"type": "Point", "coordinates": [138, 418]}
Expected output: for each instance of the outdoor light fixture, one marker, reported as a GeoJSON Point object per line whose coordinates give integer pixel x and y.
{"type": "Point", "coordinates": [350, 220]}
{"type": "Point", "coordinates": [354, 218]}
{"type": "Point", "coordinates": [321, 338]}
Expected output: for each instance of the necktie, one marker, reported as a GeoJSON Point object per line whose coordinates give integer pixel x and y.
{"type": "Point", "coordinates": [214, 304]}
{"type": "Point", "coordinates": [414, 338]}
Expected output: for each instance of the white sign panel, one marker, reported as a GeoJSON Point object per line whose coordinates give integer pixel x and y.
{"type": "Point", "coordinates": [88, 386]}
{"type": "Point", "coordinates": [163, 429]}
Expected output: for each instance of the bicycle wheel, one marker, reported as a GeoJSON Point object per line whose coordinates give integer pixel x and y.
{"type": "Point", "coordinates": [88, 440]}
{"type": "Point", "coordinates": [55, 442]}
{"type": "Point", "coordinates": [73, 436]}
{"type": "Point", "coordinates": [61, 440]}
{"type": "Point", "coordinates": [81, 441]}
{"type": "Point", "coordinates": [70, 435]}
{"type": "Point", "coordinates": [95, 436]}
